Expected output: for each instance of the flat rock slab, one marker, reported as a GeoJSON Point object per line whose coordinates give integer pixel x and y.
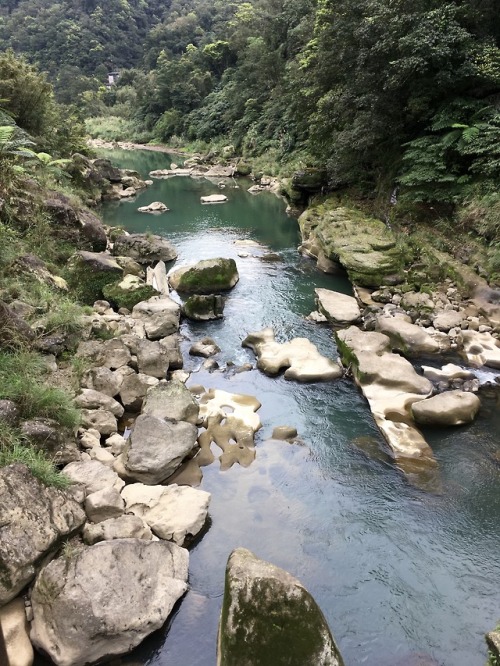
{"type": "Point", "coordinates": [156, 448]}
{"type": "Point", "coordinates": [155, 207]}
{"type": "Point", "coordinates": [302, 359]}
{"type": "Point", "coordinates": [34, 520]}
{"type": "Point", "coordinates": [339, 309]}
{"type": "Point", "coordinates": [172, 512]}
{"type": "Point", "coordinates": [391, 386]}
{"type": "Point", "coordinates": [213, 199]}
{"type": "Point", "coordinates": [123, 527]}
{"type": "Point", "coordinates": [268, 617]}
{"type": "Point", "coordinates": [105, 599]}
{"type": "Point", "coordinates": [447, 409]}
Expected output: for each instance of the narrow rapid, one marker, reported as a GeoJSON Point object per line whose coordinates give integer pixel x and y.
{"type": "Point", "coordinates": [404, 578]}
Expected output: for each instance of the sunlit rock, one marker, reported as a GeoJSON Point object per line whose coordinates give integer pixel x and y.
{"type": "Point", "coordinates": [300, 357]}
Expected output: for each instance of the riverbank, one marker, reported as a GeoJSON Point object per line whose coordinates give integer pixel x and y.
{"type": "Point", "coordinates": [260, 497]}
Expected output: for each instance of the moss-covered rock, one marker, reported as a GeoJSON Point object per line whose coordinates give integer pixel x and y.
{"type": "Point", "coordinates": [309, 180]}
{"type": "Point", "coordinates": [90, 272]}
{"type": "Point", "coordinates": [268, 617]}
{"type": "Point", "coordinates": [363, 245]}
{"type": "Point", "coordinates": [243, 169]}
{"type": "Point", "coordinates": [128, 292]}
{"type": "Point", "coordinates": [204, 307]}
{"type": "Point", "coordinates": [208, 276]}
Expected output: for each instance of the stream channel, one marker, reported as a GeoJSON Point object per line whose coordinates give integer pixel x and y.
{"type": "Point", "coordinates": [404, 577]}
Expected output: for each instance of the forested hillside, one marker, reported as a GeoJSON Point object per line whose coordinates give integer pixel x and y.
{"type": "Point", "coordinates": [384, 93]}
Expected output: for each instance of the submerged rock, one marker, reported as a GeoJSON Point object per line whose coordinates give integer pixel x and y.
{"type": "Point", "coordinates": [302, 359]}
{"type": "Point", "coordinates": [268, 617]}
{"type": "Point", "coordinates": [208, 276]}
{"type": "Point", "coordinates": [105, 599]}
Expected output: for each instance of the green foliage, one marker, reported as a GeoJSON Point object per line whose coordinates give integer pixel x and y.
{"type": "Point", "coordinates": [12, 450]}
{"type": "Point", "coordinates": [22, 380]}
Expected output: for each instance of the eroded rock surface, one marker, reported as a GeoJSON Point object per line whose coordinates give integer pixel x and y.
{"type": "Point", "coordinates": [34, 519]}
{"type": "Point", "coordinates": [302, 359]}
{"type": "Point", "coordinates": [105, 599]}
{"type": "Point", "coordinates": [339, 309]}
{"type": "Point", "coordinates": [447, 409]}
{"type": "Point", "coordinates": [173, 512]}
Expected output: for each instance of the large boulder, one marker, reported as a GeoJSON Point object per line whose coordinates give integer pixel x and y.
{"type": "Point", "coordinates": [144, 248]}
{"type": "Point", "coordinates": [171, 400]}
{"type": "Point", "coordinates": [105, 599]}
{"type": "Point", "coordinates": [407, 337]}
{"type": "Point", "coordinates": [391, 385]}
{"type": "Point", "coordinates": [156, 448]}
{"type": "Point", "coordinates": [199, 307]}
{"type": "Point", "coordinates": [34, 519]}
{"type": "Point", "coordinates": [134, 388]}
{"type": "Point", "coordinates": [339, 309]}
{"type": "Point", "coordinates": [93, 475]}
{"type": "Point", "coordinates": [128, 292]}
{"type": "Point", "coordinates": [89, 272]}
{"type": "Point", "coordinates": [160, 316]}
{"type": "Point", "coordinates": [72, 224]}
{"type": "Point", "coordinates": [301, 357]}
{"type": "Point", "coordinates": [365, 246]}
{"type": "Point", "coordinates": [152, 359]}
{"type": "Point", "coordinates": [15, 631]}
{"type": "Point", "coordinates": [447, 409]}
{"type": "Point", "coordinates": [268, 617]}
{"type": "Point", "coordinates": [172, 512]}
{"type": "Point", "coordinates": [91, 399]}
{"type": "Point", "coordinates": [208, 276]}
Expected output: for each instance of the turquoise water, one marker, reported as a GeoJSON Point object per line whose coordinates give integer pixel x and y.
{"type": "Point", "coordinates": [403, 577]}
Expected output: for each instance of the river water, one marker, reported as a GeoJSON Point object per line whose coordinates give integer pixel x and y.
{"type": "Point", "coordinates": [404, 577]}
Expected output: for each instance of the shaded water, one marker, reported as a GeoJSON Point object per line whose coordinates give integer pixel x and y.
{"type": "Point", "coordinates": [403, 577]}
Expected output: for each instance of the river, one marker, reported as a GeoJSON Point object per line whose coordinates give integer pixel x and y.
{"type": "Point", "coordinates": [404, 577]}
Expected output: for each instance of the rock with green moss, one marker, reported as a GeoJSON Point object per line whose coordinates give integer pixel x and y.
{"type": "Point", "coordinates": [128, 292]}
{"type": "Point", "coordinates": [243, 169]}
{"type": "Point", "coordinates": [201, 307]}
{"type": "Point", "coordinates": [309, 180]}
{"type": "Point", "coordinates": [363, 245]}
{"type": "Point", "coordinates": [90, 272]}
{"type": "Point", "coordinates": [208, 276]}
{"type": "Point", "coordinates": [268, 617]}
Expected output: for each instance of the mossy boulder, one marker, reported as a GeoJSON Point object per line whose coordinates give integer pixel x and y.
{"type": "Point", "coordinates": [268, 617]}
{"type": "Point", "coordinates": [208, 276]}
{"type": "Point", "coordinates": [365, 246]}
{"type": "Point", "coordinates": [243, 169]}
{"type": "Point", "coordinates": [144, 248]}
{"type": "Point", "coordinates": [90, 272]}
{"type": "Point", "coordinates": [295, 197]}
{"type": "Point", "coordinates": [128, 292]}
{"type": "Point", "coordinates": [309, 180]}
{"type": "Point", "coordinates": [201, 307]}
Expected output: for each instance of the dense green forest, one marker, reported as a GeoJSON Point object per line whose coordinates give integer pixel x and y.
{"type": "Point", "coordinates": [384, 93]}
